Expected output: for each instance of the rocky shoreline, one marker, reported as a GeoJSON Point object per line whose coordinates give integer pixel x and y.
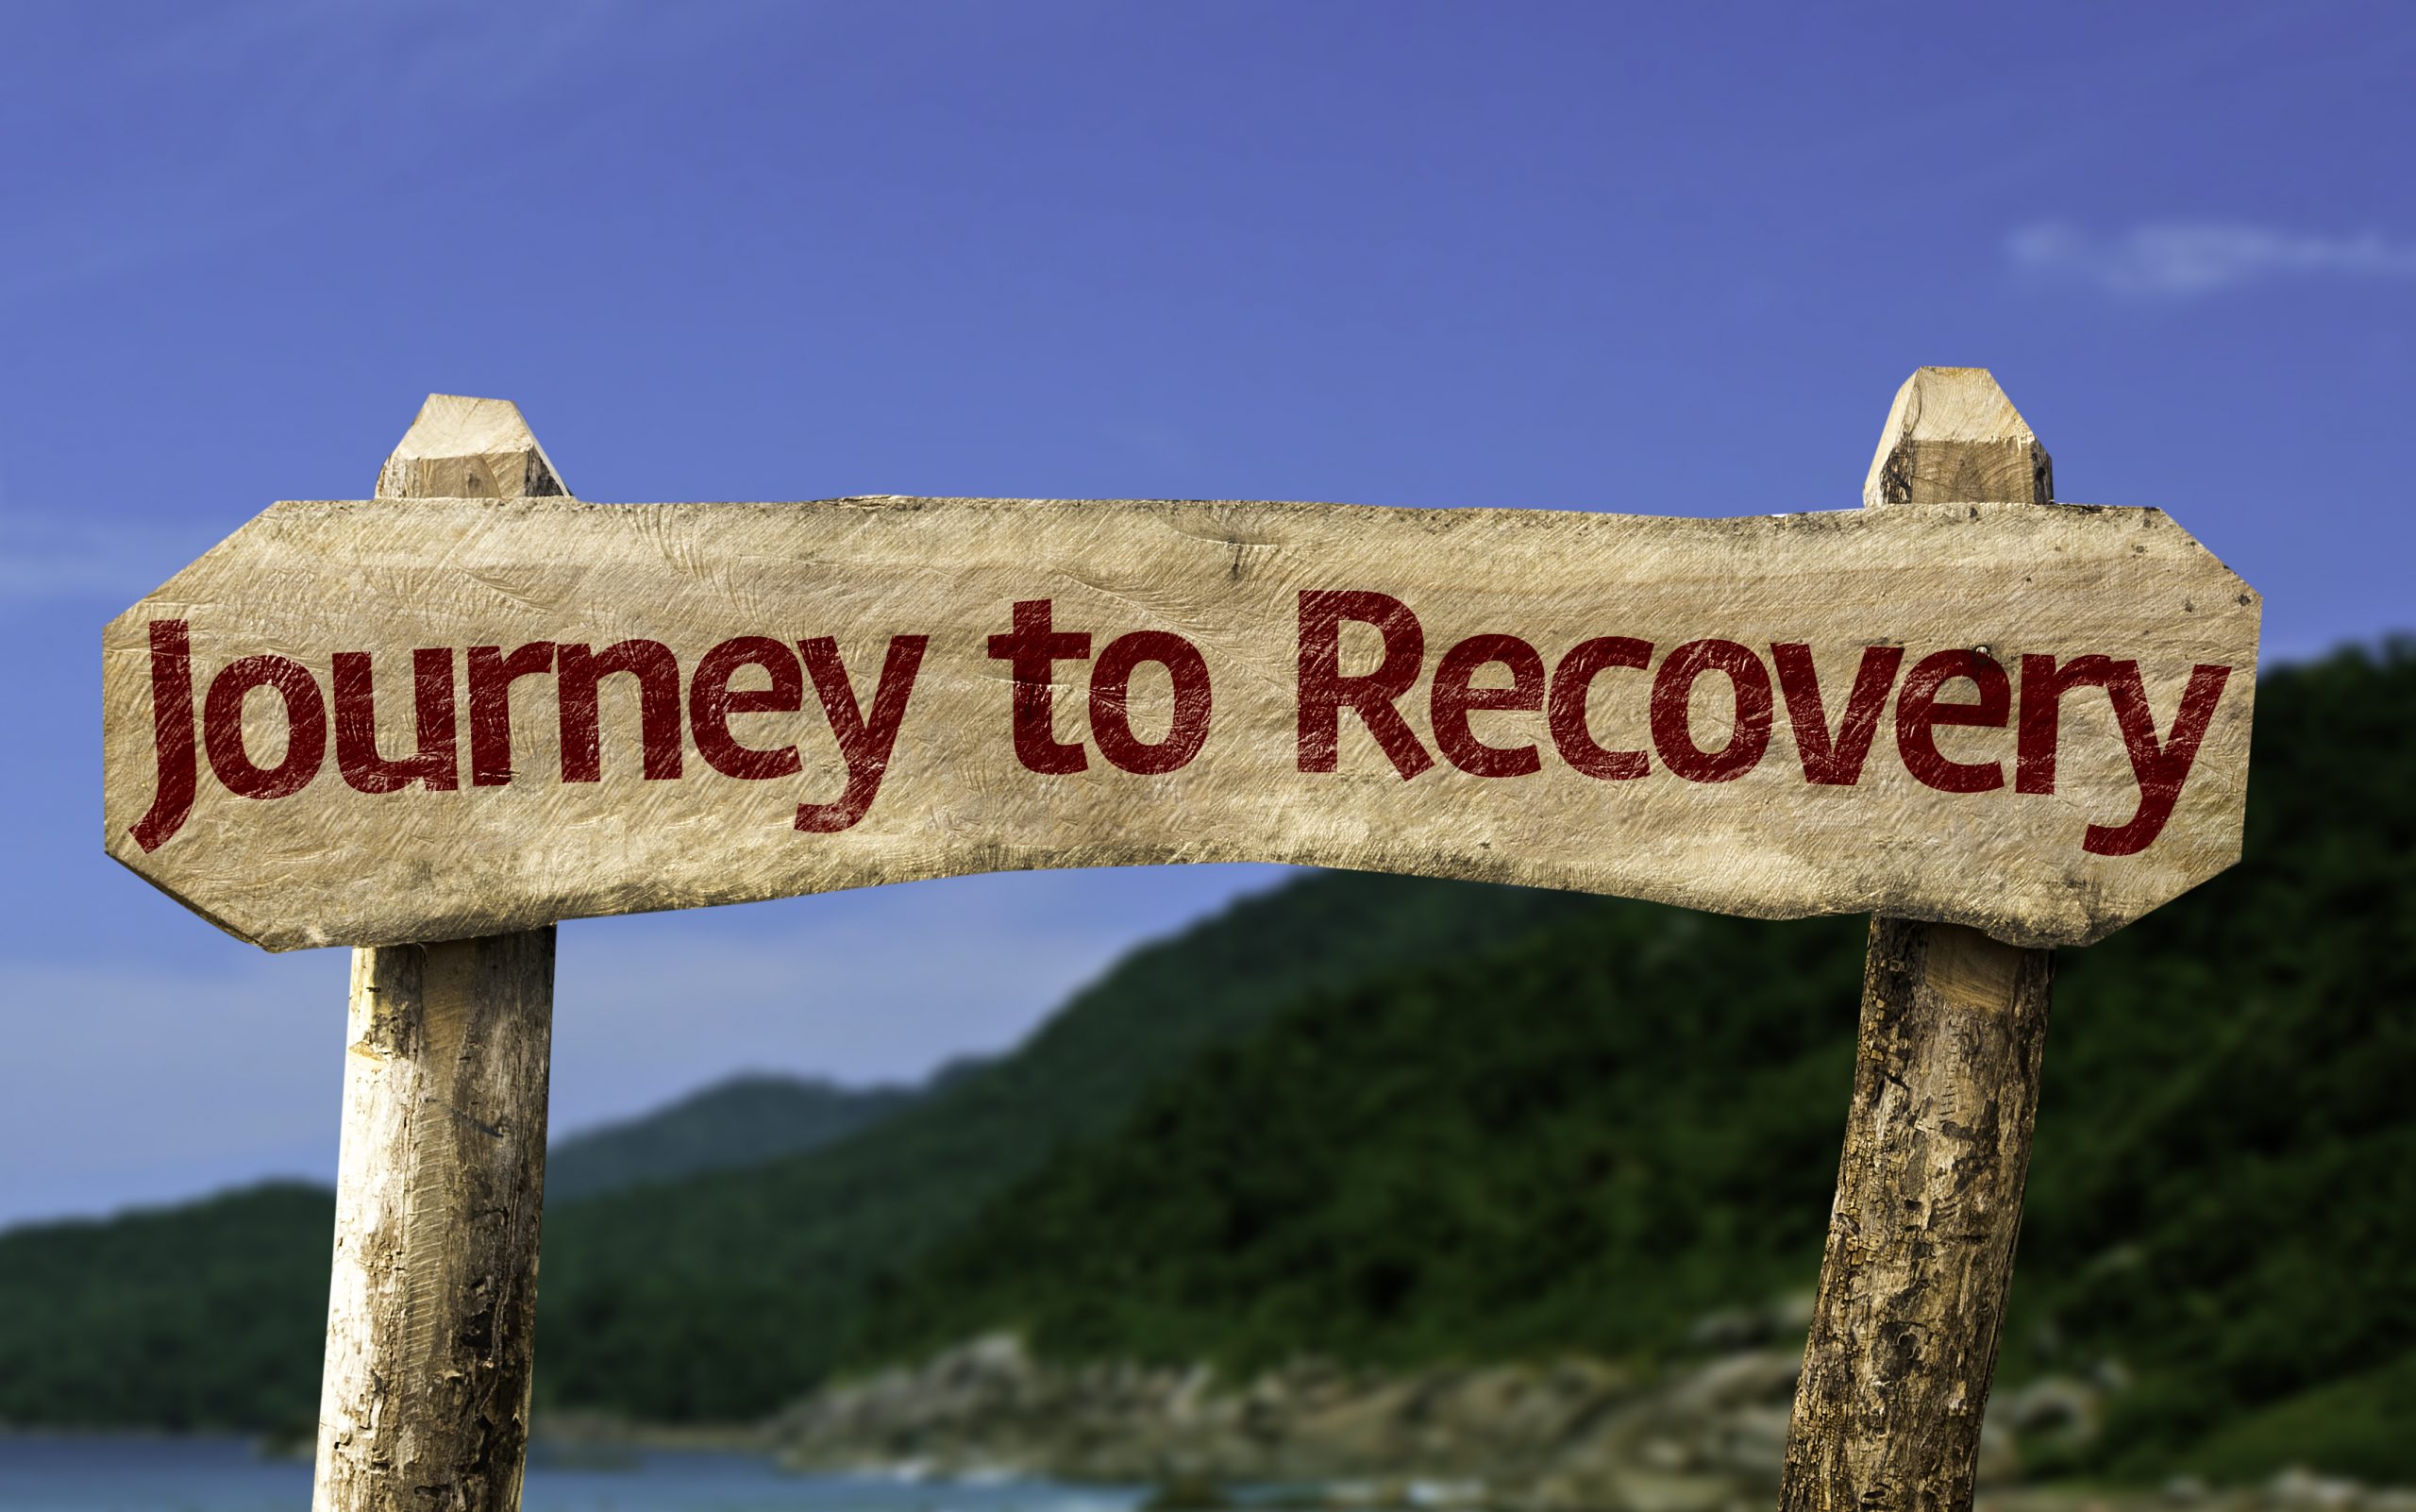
{"type": "Point", "coordinates": [1574, 1435]}
{"type": "Point", "coordinates": [1705, 1434]}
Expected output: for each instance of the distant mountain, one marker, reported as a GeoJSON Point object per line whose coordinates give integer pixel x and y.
{"type": "Point", "coordinates": [744, 1121]}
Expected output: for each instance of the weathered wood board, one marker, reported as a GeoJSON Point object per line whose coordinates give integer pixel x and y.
{"type": "Point", "coordinates": [366, 723]}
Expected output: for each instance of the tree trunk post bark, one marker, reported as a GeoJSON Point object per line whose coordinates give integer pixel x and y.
{"type": "Point", "coordinates": [1905, 1327]}
{"type": "Point", "coordinates": [431, 1311]}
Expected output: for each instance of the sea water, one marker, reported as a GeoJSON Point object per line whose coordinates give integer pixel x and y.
{"type": "Point", "coordinates": [98, 1474]}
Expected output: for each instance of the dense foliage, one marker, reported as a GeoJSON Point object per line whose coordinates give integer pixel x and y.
{"type": "Point", "coordinates": [1584, 1139]}
{"type": "Point", "coordinates": [725, 1296]}
{"type": "Point", "coordinates": [204, 1316]}
{"type": "Point", "coordinates": [209, 1314]}
{"type": "Point", "coordinates": [2223, 1197]}
{"type": "Point", "coordinates": [1590, 1137]}
{"type": "Point", "coordinates": [1396, 1120]}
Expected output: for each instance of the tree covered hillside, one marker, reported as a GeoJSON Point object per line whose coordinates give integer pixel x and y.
{"type": "Point", "coordinates": [726, 1296]}
{"type": "Point", "coordinates": [206, 1315]}
{"type": "Point", "coordinates": [1589, 1137]}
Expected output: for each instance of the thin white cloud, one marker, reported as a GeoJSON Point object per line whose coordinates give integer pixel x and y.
{"type": "Point", "coordinates": [2182, 259]}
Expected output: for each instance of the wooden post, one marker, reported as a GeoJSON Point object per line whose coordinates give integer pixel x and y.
{"type": "Point", "coordinates": [1904, 1331]}
{"type": "Point", "coordinates": [431, 1313]}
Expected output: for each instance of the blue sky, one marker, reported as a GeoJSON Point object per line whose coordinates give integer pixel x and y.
{"type": "Point", "coordinates": [1648, 258]}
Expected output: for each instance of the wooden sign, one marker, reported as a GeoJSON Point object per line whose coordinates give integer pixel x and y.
{"type": "Point", "coordinates": [367, 723]}
{"type": "Point", "coordinates": [432, 724]}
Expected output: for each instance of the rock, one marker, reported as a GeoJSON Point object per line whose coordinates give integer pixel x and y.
{"type": "Point", "coordinates": [1751, 1442]}
{"type": "Point", "coordinates": [2056, 1410]}
{"type": "Point", "coordinates": [2299, 1487]}
{"type": "Point", "coordinates": [1675, 1494]}
{"type": "Point", "coordinates": [1765, 1377]}
{"type": "Point", "coordinates": [1572, 1434]}
{"type": "Point", "coordinates": [1735, 1327]}
{"type": "Point", "coordinates": [2000, 1460]}
{"type": "Point", "coordinates": [1792, 1313]}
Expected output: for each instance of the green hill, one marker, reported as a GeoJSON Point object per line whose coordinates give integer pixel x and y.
{"type": "Point", "coordinates": [726, 1296]}
{"type": "Point", "coordinates": [743, 1121]}
{"type": "Point", "coordinates": [1590, 1137]}
{"type": "Point", "coordinates": [1587, 1138]}
{"type": "Point", "coordinates": [206, 1314]}
{"type": "Point", "coordinates": [209, 1314]}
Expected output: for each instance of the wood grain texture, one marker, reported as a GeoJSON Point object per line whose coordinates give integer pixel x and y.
{"type": "Point", "coordinates": [431, 1312]}
{"type": "Point", "coordinates": [328, 865]}
{"type": "Point", "coordinates": [1920, 1256]}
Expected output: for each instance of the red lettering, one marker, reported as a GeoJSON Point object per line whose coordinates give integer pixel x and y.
{"type": "Point", "coordinates": [1110, 693]}
{"type": "Point", "coordinates": [1835, 762]}
{"type": "Point", "coordinates": [2160, 770]}
{"type": "Point", "coordinates": [1748, 733]}
{"type": "Point", "coordinates": [491, 675]}
{"type": "Point", "coordinates": [1919, 712]}
{"type": "Point", "coordinates": [864, 743]}
{"type": "Point", "coordinates": [170, 735]}
{"type": "Point", "coordinates": [711, 700]}
{"type": "Point", "coordinates": [2040, 730]}
{"type": "Point", "coordinates": [1572, 682]}
{"type": "Point", "coordinates": [1325, 691]}
{"type": "Point", "coordinates": [437, 764]}
{"type": "Point", "coordinates": [1032, 652]}
{"type": "Point", "coordinates": [580, 676]}
{"type": "Point", "coordinates": [1454, 695]}
{"type": "Point", "coordinates": [305, 726]}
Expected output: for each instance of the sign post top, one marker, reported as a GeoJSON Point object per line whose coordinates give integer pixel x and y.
{"type": "Point", "coordinates": [461, 447]}
{"type": "Point", "coordinates": [1952, 435]}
